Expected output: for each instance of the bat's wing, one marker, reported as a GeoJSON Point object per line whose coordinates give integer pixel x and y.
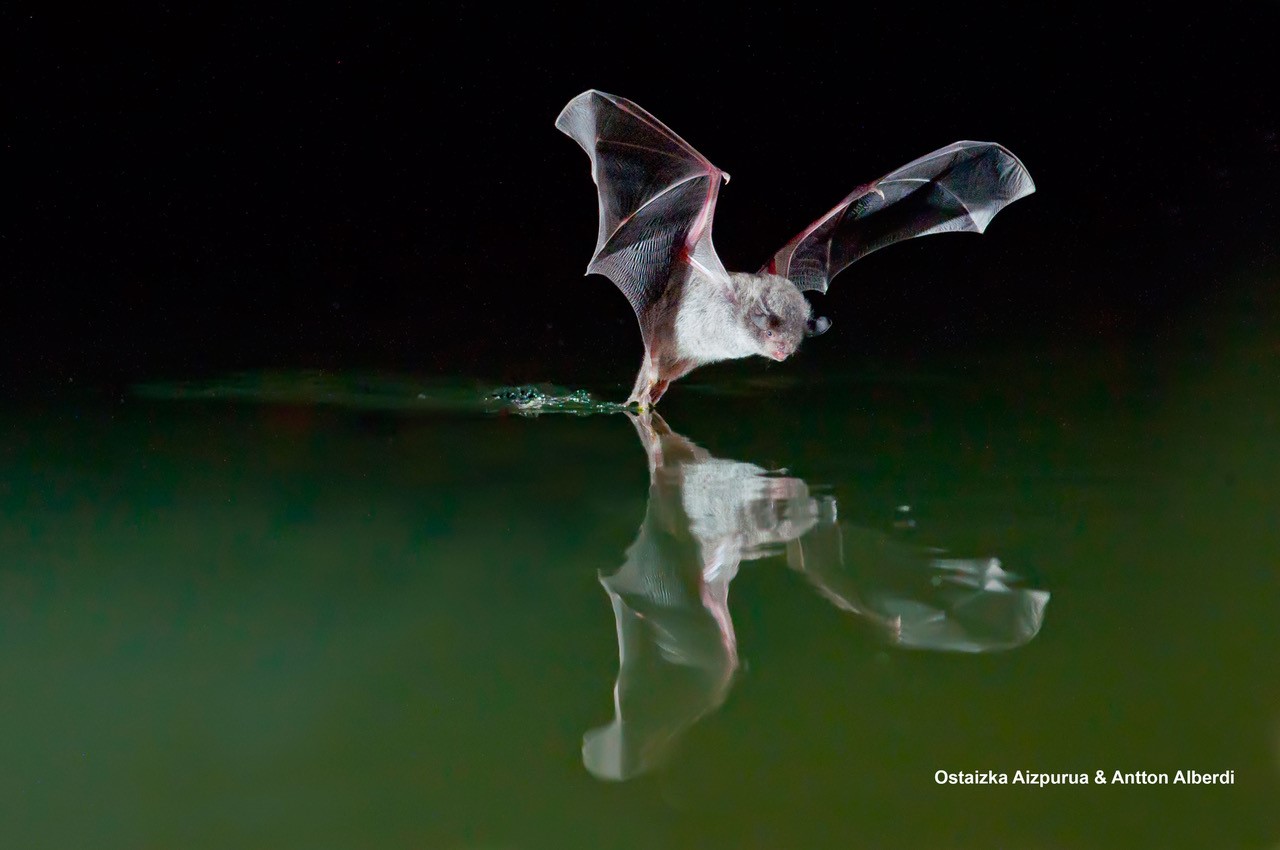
{"type": "Point", "coordinates": [958, 188]}
{"type": "Point", "coordinates": [657, 196]}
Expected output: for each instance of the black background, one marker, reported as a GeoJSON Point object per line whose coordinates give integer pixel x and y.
{"type": "Point", "coordinates": [383, 187]}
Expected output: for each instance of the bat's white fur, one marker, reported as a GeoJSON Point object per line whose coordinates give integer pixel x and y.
{"type": "Point", "coordinates": [709, 325]}
{"type": "Point", "coordinates": [714, 321]}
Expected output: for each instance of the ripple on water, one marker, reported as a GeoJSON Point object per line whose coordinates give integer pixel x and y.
{"type": "Point", "coordinates": [381, 392]}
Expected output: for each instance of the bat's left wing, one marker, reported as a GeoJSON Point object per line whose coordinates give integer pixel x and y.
{"type": "Point", "coordinates": [657, 196]}
{"type": "Point", "coordinates": [958, 188]}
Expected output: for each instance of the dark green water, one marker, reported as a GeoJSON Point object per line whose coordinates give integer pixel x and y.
{"type": "Point", "coordinates": [341, 611]}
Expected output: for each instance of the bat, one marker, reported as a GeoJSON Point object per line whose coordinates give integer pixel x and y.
{"type": "Point", "coordinates": [658, 198]}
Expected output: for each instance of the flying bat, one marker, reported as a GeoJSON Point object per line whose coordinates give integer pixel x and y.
{"type": "Point", "coordinates": [657, 201]}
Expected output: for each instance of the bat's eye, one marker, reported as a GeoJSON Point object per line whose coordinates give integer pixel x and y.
{"type": "Point", "coordinates": [769, 334]}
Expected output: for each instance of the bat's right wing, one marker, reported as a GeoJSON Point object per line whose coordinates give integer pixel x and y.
{"type": "Point", "coordinates": [657, 196]}
{"type": "Point", "coordinates": [958, 188]}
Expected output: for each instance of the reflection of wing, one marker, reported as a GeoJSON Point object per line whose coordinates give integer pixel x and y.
{"type": "Point", "coordinates": [676, 653]}
{"type": "Point", "coordinates": [958, 188]}
{"type": "Point", "coordinates": [921, 601]}
{"type": "Point", "coordinates": [677, 650]}
{"type": "Point", "coordinates": [971, 605]}
{"type": "Point", "coordinates": [657, 195]}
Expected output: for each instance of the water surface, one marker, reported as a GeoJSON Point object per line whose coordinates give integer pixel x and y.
{"type": "Point", "coordinates": [328, 609]}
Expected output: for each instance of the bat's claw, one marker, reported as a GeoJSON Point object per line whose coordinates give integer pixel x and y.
{"type": "Point", "coordinates": [648, 387]}
{"type": "Point", "coordinates": [641, 402]}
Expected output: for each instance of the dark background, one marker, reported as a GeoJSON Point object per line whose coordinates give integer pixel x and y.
{"type": "Point", "coordinates": [384, 188]}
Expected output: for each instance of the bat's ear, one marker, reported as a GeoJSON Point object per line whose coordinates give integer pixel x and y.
{"type": "Point", "coordinates": [760, 316]}
{"type": "Point", "coordinates": [818, 326]}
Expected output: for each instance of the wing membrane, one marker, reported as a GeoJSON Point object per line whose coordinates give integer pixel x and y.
{"type": "Point", "coordinates": [657, 195]}
{"type": "Point", "coordinates": [959, 188]}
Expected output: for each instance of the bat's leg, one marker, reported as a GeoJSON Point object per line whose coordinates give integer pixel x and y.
{"type": "Point", "coordinates": [654, 378]}
{"type": "Point", "coordinates": [641, 393]}
{"type": "Point", "coordinates": [662, 380]}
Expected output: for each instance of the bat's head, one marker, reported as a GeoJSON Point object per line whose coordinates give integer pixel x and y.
{"type": "Point", "coordinates": [779, 318]}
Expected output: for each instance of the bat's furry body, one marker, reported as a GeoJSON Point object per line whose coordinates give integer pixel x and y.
{"type": "Point", "coordinates": [700, 320]}
{"type": "Point", "coordinates": [657, 201]}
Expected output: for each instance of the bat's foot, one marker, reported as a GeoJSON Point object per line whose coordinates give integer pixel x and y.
{"type": "Point", "coordinates": [644, 400]}
{"type": "Point", "coordinates": [649, 385]}
{"type": "Point", "coordinates": [647, 399]}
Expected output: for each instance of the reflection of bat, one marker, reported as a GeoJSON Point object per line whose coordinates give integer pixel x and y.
{"type": "Point", "coordinates": [676, 645]}
{"type": "Point", "coordinates": [677, 649]}
{"type": "Point", "coordinates": [657, 200]}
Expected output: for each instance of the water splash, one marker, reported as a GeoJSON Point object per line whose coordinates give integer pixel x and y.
{"type": "Point", "coordinates": [531, 400]}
